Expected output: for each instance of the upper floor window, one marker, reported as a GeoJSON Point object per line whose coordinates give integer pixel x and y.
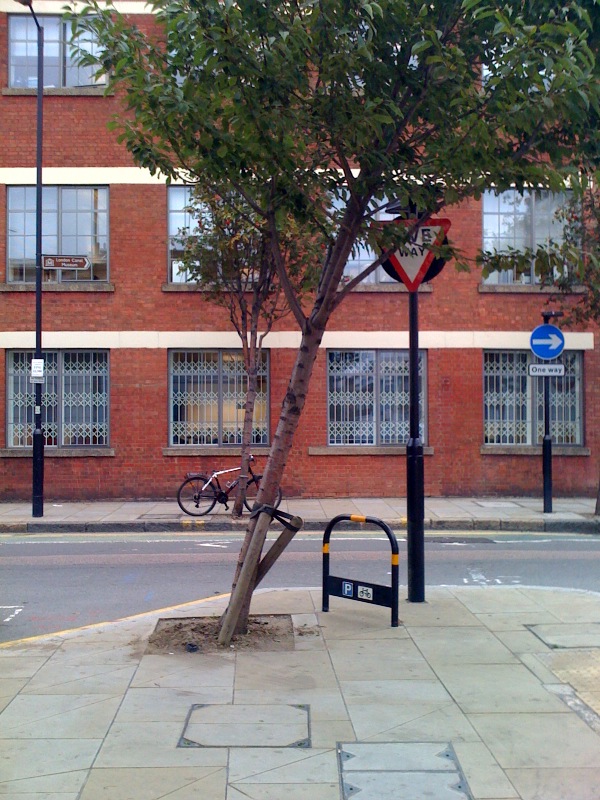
{"type": "Point", "coordinates": [75, 391]}
{"type": "Point", "coordinates": [180, 225]}
{"type": "Point", "coordinates": [363, 255]}
{"type": "Point", "coordinates": [208, 395]}
{"type": "Point", "coordinates": [368, 397]}
{"type": "Point", "coordinates": [520, 222]}
{"type": "Point", "coordinates": [60, 64]}
{"type": "Point", "coordinates": [514, 402]}
{"type": "Point", "coordinates": [74, 223]}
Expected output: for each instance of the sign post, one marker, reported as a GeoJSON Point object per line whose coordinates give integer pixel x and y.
{"type": "Point", "coordinates": [547, 342]}
{"type": "Point", "coordinates": [411, 264]}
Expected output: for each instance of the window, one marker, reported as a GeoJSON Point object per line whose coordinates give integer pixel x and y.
{"type": "Point", "coordinates": [74, 404]}
{"type": "Point", "coordinates": [181, 223]}
{"type": "Point", "coordinates": [514, 402]}
{"type": "Point", "coordinates": [207, 396]}
{"type": "Point", "coordinates": [363, 255]}
{"type": "Point", "coordinates": [512, 221]}
{"type": "Point", "coordinates": [368, 397]}
{"type": "Point", "coordinates": [74, 222]}
{"type": "Point", "coordinates": [60, 67]}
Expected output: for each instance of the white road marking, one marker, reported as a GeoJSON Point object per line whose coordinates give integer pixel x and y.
{"type": "Point", "coordinates": [15, 610]}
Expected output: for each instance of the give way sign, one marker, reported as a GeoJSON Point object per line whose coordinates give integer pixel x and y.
{"type": "Point", "coordinates": [412, 259]}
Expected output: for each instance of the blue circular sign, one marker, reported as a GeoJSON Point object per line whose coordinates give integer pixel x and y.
{"type": "Point", "coordinates": [547, 341]}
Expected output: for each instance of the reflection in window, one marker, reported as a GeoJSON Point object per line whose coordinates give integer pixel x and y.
{"type": "Point", "coordinates": [74, 223]}
{"type": "Point", "coordinates": [512, 221]}
{"type": "Point", "coordinates": [60, 62]}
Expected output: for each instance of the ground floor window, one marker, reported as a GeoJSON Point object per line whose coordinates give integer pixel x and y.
{"type": "Point", "coordinates": [75, 398]}
{"type": "Point", "coordinates": [368, 397]}
{"type": "Point", "coordinates": [514, 402]}
{"type": "Point", "coordinates": [207, 397]}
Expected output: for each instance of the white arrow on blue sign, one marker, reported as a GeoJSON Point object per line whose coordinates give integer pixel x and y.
{"type": "Point", "coordinates": [547, 341]}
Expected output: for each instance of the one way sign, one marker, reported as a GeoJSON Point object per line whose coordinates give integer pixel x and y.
{"type": "Point", "coordinates": [547, 341]}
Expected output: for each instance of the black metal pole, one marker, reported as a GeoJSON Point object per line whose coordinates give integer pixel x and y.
{"type": "Point", "coordinates": [547, 450]}
{"type": "Point", "coordinates": [415, 482]}
{"type": "Point", "coordinates": [38, 436]}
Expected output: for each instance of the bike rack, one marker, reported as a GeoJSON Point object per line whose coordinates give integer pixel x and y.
{"type": "Point", "coordinates": [291, 525]}
{"type": "Point", "coordinates": [362, 591]}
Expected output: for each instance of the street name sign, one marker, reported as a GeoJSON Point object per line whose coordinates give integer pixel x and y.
{"type": "Point", "coordinates": [546, 370]}
{"type": "Point", "coordinates": [412, 259]}
{"type": "Point", "coordinates": [66, 262]}
{"type": "Point", "coordinates": [547, 341]}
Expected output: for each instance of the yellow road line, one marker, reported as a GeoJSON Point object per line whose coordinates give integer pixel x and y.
{"type": "Point", "coordinates": [15, 642]}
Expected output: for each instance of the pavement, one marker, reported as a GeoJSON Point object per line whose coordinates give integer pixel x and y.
{"type": "Point", "coordinates": [480, 693]}
{"type": "Point", "coordinates": [569, 515]}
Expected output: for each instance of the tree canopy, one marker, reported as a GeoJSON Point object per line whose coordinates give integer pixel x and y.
{"type": "Point", "coordinates": [285, 102]}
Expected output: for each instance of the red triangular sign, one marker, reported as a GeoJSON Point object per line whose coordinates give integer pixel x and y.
{"type": "Point", "coordinates": [413, 259]}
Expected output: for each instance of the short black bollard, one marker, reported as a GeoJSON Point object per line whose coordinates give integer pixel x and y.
{"type": "Point", "coordinates": [362, 591]}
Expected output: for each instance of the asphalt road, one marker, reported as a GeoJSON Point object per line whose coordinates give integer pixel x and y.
{"type": "Point", "coordinates": [56, 582]}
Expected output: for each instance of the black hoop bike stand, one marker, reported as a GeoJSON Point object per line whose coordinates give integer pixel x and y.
{"type": "Point", "coordinates": [353, 589]}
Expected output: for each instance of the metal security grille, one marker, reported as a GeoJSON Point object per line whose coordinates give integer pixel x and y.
{"type": "Point", "coordinates": [565, 403]}
{"type": "Point", "coordinates": [507, 417]}
{"type": "Point", "coordinates": [208, 395]}
{"type": "Point", "coordinates": [514, 404]}
{"type": "Point", "coordinates": [74, 399]}
{"type": "Point", "coordinates": [368, 397]}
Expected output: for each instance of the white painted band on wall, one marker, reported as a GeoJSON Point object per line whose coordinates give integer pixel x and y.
{"type": "Point", "coordinates": [57, 7]}
{"type": "Point", "coordinates": [339, 340]}
{"type": "Point", "coordinates": [80, 176]}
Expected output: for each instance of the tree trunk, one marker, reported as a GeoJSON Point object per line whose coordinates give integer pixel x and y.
{"type": "Point", "coordinates": [246, 440]}
{"type": "Point", "coordinates": [235, 619]}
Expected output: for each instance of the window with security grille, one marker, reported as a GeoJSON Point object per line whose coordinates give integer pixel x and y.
{"type": "Point", "coordinates": [74, 223]}
{"type": "Point", "coordinates": [518, 223]}
{"type": "Point", "coordinates": [61, 69]}
{"type": "Point", "coordinates": [207, 398]}
{"type": "Point", "coordinates": [368, 397]}
{"type": "Point", "coordinates": [75, 399]}
{"type": "Point", "coordinates": [514, 402]}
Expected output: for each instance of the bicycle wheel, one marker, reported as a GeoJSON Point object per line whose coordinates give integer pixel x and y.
{"type": "Point", "coordinates": [252, 491]}
{"type": "Point", "coordinates": [195, 500]}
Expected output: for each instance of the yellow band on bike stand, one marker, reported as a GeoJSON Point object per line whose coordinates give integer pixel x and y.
{"type": "Point", "coordinates": [357, 518]}
{"type": "Point", "coordinates": [326, 548]}
{"type": "Point", "coordinates": [395, 559]}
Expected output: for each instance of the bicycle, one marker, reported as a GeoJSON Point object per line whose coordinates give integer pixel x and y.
{"type": "Point", "coordinates": [199, 493]}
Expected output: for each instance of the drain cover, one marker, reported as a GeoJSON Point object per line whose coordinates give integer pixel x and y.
{"type": "Point", "coordinates": [393, 770]}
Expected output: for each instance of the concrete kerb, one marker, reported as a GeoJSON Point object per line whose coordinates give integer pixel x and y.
{"type": "Point", "coordinates": [543, 524]}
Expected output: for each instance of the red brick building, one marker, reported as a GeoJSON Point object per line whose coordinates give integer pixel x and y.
{"type": "Point", "coordinates": [144, 379]}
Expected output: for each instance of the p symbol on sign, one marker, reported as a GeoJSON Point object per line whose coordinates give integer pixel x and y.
{"type": "Point", "coordinates": [347, 589]}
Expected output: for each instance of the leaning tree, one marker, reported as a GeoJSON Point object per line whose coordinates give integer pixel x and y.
{"type": "Point", "coordinates": [305, 105]}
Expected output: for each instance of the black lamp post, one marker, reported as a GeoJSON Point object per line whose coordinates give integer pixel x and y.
{"type": "Point", "coordinates": [38, 436]}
